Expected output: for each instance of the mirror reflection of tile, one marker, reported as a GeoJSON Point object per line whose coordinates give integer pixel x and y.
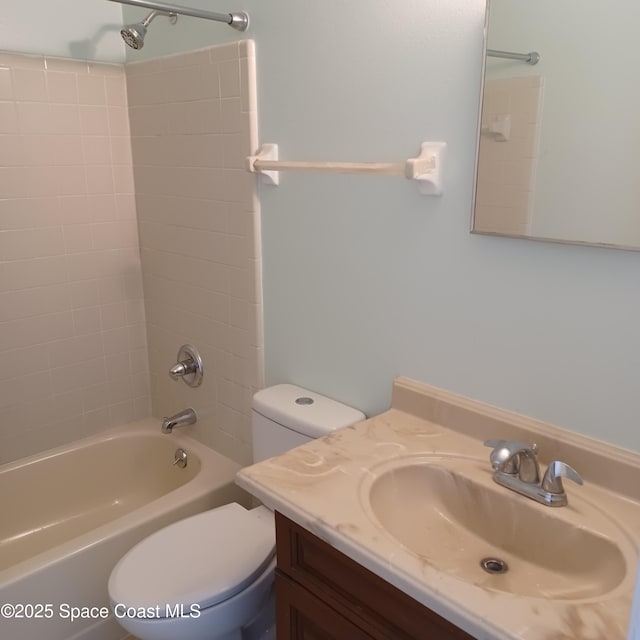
{"type": "Point", "coordinates": [510, 129]}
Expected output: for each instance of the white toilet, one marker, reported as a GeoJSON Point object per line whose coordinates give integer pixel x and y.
{"type": "Point", "coordinates": [210, 576]}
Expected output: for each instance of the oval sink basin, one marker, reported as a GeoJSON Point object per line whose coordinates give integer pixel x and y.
{"type": "Point", "coordinates": [450, 513]}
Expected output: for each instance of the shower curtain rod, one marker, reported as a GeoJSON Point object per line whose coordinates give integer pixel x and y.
{"type": "Point", "coordinates": [238, 20]}
{"type": "Point", "coordinates": [533, 57]}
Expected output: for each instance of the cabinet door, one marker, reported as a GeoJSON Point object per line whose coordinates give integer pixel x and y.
{"type": "Point", "coordinates": [375, 608]}
{"type": "Point", "coordinates": [302, 616]}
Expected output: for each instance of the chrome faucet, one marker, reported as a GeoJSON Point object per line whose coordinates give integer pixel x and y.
{"type": "Point", "coordinates": [181, 419]}
{"type": "Point", "coordinates": [515, 466]}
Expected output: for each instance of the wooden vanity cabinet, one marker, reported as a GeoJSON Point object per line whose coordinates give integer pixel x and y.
{"type": "Point", "coordinates": [321, 594]}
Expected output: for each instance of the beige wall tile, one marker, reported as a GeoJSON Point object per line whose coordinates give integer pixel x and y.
{"type": "Point", "coordinates": [29, 85]}
{"type": "Point", "coordinates": [94, 120]}
{"type": "Point", "coordinates": [62, 87]}
{"type": "Point", "coordinates": [8, 118]}
{"type": "Point", "coordinates": [62, 64]}
{"type": "Point", "coordinates": [101, 207]}
{"type": "Point", "coordinates": [21, 362]}
{"type": "Point", "coordinates": [113, 316]}
{"type": "Point", "coordinates": [247, 85]}
{"type": "Point", "coordinates": [70, 269]}
{"type": "Point", "coordinates": [121, 150]}
{"type": "Point", "coordinates": [96, 150]}
{"type": "Point", "coordinates": [116, 90]}
{"type": "Point", "coordinates": [118, 121]}
{"type": "Point", "coordinates": [92, 90]}
{"type": "Point", "coordinates": [75, 350]}
{"type": "Point", "coordinates": [12, 151]}
{"type": "Point", "coordinates": [187, 187]}
{"type": "Point", "coordinates": [19, 61]}
{"type": "Point", "coordinates": [6, 84]}
{"type": "Point", "coordinates": [230, 78]}
{"type": "Point", "coordinates": [196, 58]}
{"type": "Point", "coordinates": [230, 51]}
{"type": "Point", "coordinates": [99, 179]}
{"type": "Point", "coordinates": [86, 321]}
{"type": "Point", "coordinates": [35, 330]}
{"type": "Point", "coordinates": [80, 375]}
{"type": "Point", "coordinates": [71, 240]}
{"type": "Point", "coordinates": [27, 303]}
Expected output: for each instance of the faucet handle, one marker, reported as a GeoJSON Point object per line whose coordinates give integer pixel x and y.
{"type": "Point", "coordinates": [188, 367]}
{"type": "Point", "coordinates": [552, 481]}
{"type": "Point", "coordinates": [504, 456]}
{"type": "Point", "coordinates": [181, 369]}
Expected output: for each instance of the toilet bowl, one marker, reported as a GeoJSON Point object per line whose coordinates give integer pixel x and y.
{"type": "Point", "coordinates": [210, 576]}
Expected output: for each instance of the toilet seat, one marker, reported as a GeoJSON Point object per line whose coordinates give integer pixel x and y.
{"type": "Point", "coordinates": [202, 560]}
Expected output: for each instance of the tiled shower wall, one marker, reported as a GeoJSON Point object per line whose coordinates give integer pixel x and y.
{"type": "Point", "coordinates": [73, 356]}
{"type": "Point", "coordinates": [193, 122]}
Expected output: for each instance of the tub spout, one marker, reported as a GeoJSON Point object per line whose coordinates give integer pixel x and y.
{"type": "Point", "coordinates": [181, 419]}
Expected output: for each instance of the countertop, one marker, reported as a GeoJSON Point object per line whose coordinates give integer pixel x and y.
{"type": "Point", "coordinates": [322, 486]}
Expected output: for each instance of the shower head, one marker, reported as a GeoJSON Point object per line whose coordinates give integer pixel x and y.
{"type": "Point", "coordinates": [133, 34]}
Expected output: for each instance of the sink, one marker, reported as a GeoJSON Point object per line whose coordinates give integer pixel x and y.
{"type": "Point", "coordinates": [448, 511]}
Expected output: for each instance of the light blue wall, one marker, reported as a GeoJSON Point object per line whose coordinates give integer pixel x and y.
{"type": "Point", "coordinates": [364, 279]}
{"type": "Point", "coordinates": [82, 29]}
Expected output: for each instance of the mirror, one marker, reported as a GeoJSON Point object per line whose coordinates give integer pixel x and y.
{"type": "Point", "coordinates": [559, 151]}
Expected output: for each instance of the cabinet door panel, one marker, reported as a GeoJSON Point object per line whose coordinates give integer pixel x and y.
{"type": "Point", "coordinates": [302, 616]}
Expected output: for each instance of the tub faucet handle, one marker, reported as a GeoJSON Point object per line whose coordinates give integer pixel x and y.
{"type": "Point", "coordinates": [182, 369]}
{"type": "Point", "coordinates": [188, 367]}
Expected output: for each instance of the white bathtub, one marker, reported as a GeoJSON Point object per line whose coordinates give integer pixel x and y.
{"type": "Point", "coordinates": [67, 516]}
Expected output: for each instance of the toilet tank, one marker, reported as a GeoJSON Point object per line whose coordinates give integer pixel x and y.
{"type": "Point", "coordinates": [285, 416]}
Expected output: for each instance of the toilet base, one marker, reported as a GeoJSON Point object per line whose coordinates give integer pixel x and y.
{"type": "Point", "coordinates": [263, 626]}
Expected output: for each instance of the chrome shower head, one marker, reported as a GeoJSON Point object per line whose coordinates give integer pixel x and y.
{"type": "Point", "coordinates": [133, 34]}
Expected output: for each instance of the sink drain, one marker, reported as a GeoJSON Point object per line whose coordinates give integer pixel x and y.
{"type": "Point", "coordinates": [494, 565]}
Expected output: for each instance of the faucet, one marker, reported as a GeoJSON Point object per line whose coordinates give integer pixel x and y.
{"type": "Point", "coordinates": [181, 419]}
{"type": "Point", "coordinates": [515, 466]}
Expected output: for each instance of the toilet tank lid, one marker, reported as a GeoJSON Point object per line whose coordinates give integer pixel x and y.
{"type": "Point", "coordinates": [304, 411]}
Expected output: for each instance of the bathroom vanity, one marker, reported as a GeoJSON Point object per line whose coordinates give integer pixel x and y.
{"type": "Point", "coordinates": [321, 593]}
{"type": "Point", "coordinates": [386, 530]}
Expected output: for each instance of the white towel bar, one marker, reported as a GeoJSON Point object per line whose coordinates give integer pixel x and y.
{"type": "Point", "coordinates": [426, 168]}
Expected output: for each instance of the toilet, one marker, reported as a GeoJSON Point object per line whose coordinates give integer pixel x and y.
{"type": "Point", "coordinates": [210, 576]}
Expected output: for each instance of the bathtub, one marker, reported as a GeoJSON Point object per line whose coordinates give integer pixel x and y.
{"type": "Point", "coordinates": [69, 514]}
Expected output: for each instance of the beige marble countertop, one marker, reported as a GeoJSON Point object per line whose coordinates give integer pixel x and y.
{"type": "Point", "coordinates": [322, 486]}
